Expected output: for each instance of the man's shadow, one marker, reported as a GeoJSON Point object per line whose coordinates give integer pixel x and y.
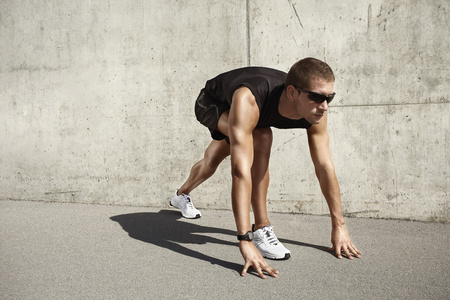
{"type": "Point", "coordinates": [166, 230]}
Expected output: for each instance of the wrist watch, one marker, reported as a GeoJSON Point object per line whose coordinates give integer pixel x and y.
{"type": "Point", "coordinates": [246, 237]}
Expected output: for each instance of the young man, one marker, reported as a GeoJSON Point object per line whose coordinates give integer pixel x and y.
{"type": "Point", "coordinates": [239, 107]}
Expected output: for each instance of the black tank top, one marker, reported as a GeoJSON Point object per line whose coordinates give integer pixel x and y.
{"type": "Point", "coordinates": [265, 84]}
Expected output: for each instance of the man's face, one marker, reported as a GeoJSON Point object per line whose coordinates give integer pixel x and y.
{"type": "Point", "coordinates": [313, 112]}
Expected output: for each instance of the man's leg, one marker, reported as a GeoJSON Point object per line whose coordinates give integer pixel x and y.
{"type": "Point", "coordinates": [262, 143]}
{"type": "Point", "coordinates": [264, 237]}
{"type": "Point", "coordinates": [216, 152]}
{"type": "Point", "coordinates": [202, 170]}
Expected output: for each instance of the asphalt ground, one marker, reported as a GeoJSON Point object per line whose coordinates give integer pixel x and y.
{"type": "Point", "coordinates": [81, 251]}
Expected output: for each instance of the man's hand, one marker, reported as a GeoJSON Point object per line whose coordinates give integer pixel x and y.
{"type": "Point", "coordinates": [342, 243]}
{"type": "Point", "coordinates": [254, 259]}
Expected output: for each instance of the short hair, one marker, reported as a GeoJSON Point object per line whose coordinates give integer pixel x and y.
{"type": "Point", "coordinates": [304, 71]}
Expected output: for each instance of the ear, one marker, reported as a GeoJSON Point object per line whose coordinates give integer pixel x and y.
{"type": "Point", "coordinates": [291, 92]}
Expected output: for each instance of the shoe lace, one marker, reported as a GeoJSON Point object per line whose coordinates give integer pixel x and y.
{"type": "Point", "coordinates": [189, 202]}
{"type": "Point", "coordinates": [271, 237]}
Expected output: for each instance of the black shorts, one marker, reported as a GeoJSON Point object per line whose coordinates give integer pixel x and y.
{"type": "Point", "coordinates": [208, 111]}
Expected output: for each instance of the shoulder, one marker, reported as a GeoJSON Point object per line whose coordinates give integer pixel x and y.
{"type": "Point", "coordinates": [319, 147]}
{"type": "Point", "coordinates": [318, 138]}
{"type": "Point", "coordinates": [320, 128]}
{"type": "Point", "coordinates": [244, 104]}
{"type": "Point", "coordinates": [244, 96]}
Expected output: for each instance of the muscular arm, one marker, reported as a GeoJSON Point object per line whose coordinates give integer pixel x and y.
{"type": "Point", "coordinates": [244, 114]}
{"type": "Point", "coordinates": [242, 120]}
{"type": "Point", "coordinates": [320, 154]}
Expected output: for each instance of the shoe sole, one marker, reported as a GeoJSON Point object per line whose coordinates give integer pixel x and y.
{"type": "Point", "coordinates": [196, 216]}
{"type": "Point", "coordinates": [286, 256]}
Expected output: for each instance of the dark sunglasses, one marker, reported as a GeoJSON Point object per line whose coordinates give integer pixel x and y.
{"type": "Point", "coordinates": [316, 97]}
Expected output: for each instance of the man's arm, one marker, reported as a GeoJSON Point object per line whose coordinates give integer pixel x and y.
{"type": "Point", "coordinates": [242, 120]}
{"type": "Point", "coordinates": [320, 154]}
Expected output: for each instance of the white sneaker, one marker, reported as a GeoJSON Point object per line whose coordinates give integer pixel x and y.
{"type": "Point", "coordinates": [184, 203]}
{"type": "Point", "coordinates": [268, 245]}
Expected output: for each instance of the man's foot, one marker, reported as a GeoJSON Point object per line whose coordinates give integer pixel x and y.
{"type": "Point", "coordinates": [184, 203]}
{"type": "Point", "coordinates": [268, 245]}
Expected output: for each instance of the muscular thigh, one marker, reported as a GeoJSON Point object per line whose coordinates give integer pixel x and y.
{"type": "Point", "coordinates": [222, 124]}
{"type": "Point", "coordinates": [262, 139]}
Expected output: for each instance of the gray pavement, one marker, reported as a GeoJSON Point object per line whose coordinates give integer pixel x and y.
{"type": "Point", "coordinates": [80, 251]}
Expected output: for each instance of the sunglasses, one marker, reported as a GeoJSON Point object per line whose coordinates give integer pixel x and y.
{"type": "Point", "coordinates": [316, 97]}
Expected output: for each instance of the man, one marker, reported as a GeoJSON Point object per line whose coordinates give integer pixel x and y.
{"type": "Point", "coordinates": [239, 107]}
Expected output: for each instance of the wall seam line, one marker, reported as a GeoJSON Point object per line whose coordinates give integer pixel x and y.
{"type": "Point", "coordinates": [387, 104]}
{"type": "Point", "coordinates": [249, 61]}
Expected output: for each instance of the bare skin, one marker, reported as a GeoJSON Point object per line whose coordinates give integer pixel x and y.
{"type": "Point", "coordinates": [250, 152]}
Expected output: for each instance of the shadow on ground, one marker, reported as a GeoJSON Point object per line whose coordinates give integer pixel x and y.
{"type": "Point", "coordinates": [167, 229]}
{"type": "Point", "coordinates": [302, 244]}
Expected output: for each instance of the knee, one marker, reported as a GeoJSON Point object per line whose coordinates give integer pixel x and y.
{"type": "Point", "coordinates": [262, 139]}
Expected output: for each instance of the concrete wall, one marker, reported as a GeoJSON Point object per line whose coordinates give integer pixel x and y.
{"type": "Point", "coordinates": [97, 100]}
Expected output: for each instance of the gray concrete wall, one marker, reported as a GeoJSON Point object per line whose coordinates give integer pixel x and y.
{"type": "Point", "coordinates": [97, 100]}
